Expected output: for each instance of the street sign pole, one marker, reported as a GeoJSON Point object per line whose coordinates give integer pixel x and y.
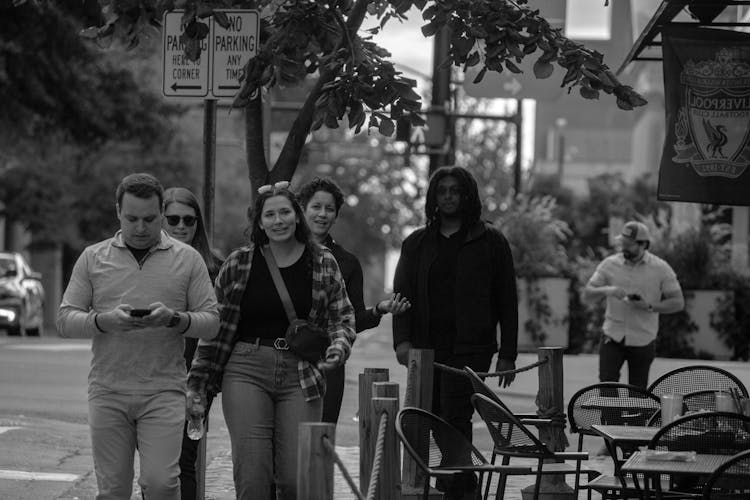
{"type": "Point", "coordinates": [224, 53]}
{"type": "Point", "coordinates": [209, 165]}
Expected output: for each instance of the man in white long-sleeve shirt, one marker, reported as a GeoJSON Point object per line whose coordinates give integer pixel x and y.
{"type": "Point", "coordinates": [136, 295]}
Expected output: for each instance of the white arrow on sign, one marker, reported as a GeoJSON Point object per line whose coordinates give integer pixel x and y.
{"type": "Point", "coordinates": [183, 77]}
{"type": "Point", "coordinates": [513, 86]}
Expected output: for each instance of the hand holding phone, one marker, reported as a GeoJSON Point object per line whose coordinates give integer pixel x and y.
{"type": "Point", "coordinates": [634, 296]}
{"type": "Point", "coordinates": [139, 313]}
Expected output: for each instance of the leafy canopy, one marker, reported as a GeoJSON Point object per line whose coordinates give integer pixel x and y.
{"type": "Point", "coordinates": [303, 37]}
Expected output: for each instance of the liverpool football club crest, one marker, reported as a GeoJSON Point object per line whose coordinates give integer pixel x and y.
{"type": "Point", "coordinates": [706, 148]}
{"type": "Point", "coordinates": [712, 130]}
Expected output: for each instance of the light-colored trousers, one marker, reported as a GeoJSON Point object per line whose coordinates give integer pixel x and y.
{"type": "Point", "coordinates": [263, 406]}
{"type": "Point", "coordinates": [152, 424]}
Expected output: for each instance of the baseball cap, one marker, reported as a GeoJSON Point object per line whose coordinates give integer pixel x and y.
{"type": "Point", "coordinates": [636, 231]}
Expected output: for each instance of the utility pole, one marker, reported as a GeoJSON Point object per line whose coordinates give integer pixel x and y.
{"type": "Point", "coordinates": [439, 115]}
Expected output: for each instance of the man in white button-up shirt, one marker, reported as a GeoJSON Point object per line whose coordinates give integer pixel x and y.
{"type": "Point", "coordinates": [638, 287]}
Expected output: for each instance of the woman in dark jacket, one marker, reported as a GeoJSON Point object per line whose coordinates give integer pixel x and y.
{"type": "Point", "coordinates": [322, 199]}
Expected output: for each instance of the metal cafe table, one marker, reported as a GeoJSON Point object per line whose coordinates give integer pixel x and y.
{"type": "Point", "coordinates": [626, 438]}
{"type": "Point", "coordinates": [640, 463]}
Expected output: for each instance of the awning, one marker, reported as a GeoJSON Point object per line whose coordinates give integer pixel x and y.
{"type": "Point", "coordinates": [700, 12]}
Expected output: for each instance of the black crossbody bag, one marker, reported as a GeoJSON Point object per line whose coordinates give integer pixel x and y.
{"type": "Point", "coordinates": [307, 341]}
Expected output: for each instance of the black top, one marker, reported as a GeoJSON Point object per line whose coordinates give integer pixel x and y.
{"type": "Point", "coordinates": [441, 290]}
{"type": "Point", "coordinates": [351, 271]}
{"type": "Point", "coordinates": [261, 310]}
{"type": "Point", "coordinates": [138, 253]}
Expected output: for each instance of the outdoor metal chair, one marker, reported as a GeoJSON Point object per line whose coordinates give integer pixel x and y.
{"type": "Point", "coordinates": [481, 387]}
{"type": "Point", "coordinates": [440, 450]}
{"type": "Point", "coordinates": [610, 403]}
{"type": "Point", "coordinates": [512, 438]}
{"type": "Point", "coordinates": [715, 433]}
{"type": "Point", "coordinates": [690, 379]}
{"type": "Point", "coordinates": [731, 480]}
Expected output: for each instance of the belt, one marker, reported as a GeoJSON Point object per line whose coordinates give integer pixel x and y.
{"type": "Point", "coordinates": [280, 344]}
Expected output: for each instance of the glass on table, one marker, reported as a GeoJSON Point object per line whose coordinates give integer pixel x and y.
{"type": "Point", "coordinates": [671, 407]}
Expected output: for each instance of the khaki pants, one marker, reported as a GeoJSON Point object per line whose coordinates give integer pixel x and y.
{"type": "Point", "coordinates": [152, 424]}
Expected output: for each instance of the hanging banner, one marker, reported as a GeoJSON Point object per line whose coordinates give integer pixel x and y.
{"type": "Point", "coordinates": [707, 99]}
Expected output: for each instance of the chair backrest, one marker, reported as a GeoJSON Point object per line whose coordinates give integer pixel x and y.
{"type": "Point", "coordinates": [688, 379]}
{"type": "Point", "coordinates": [432, 442]}
{"type": "Point", "coordinates": [481, 387]}
{"type": "Point", "coordinates": [731, 477]}
{"type": "Point", "coordinates": [509, 434]}
{"type": "Point", "coordinates": [716, 433]}
{"type": "Point", "coordinates": [611, 403]}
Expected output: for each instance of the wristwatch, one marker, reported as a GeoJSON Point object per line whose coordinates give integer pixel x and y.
{"type": "Point", "coordinates": [174, 320]}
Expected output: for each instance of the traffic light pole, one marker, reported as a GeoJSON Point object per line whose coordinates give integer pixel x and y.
{"type": "Point", "coordinates": [441, 97]}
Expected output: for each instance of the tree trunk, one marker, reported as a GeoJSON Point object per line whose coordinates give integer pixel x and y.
{"type": "Point", "coordinates": [288, 160]}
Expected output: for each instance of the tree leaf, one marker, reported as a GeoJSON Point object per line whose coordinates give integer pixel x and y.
{"type": "Point", "coordinates": [543, 69]}
{"type": "Point", "coordinates": [480, 75]}
{"type": "Point", "coordinates": [221, 19]}
{"type": "Point", "coordinates": [386, 127]}
{"type": "Point", "coordinates": [430, 28]}
{"type": "Point", "coordinates": [512, 67]}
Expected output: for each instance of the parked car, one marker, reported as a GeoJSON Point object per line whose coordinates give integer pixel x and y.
{"type": "Point", "coordinates": [21, 296]}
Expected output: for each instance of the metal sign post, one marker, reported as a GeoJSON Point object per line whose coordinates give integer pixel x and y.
{"type": "Point", "coordinates": [224, 52]}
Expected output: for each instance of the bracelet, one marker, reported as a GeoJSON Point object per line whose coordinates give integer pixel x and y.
{"type": "Point", "coordinates": [96, 323]}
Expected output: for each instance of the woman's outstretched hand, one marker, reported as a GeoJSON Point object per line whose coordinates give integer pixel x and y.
{"type": "Point", "coordinates": [394, 305]}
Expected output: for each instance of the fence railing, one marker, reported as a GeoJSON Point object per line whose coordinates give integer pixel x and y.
{"type": "Point", "coordinates": [380, 477]}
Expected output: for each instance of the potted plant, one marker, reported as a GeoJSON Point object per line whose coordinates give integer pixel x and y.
{"type": "Point", "coordinates": [536, 238]}
{"type": "Point", "coordinates": [708, 326]}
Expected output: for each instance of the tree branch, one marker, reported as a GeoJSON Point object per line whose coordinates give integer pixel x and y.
{"type": "Point", "coordinates": [255, 154]}
{"type": "Point", "coordinates": [295, 141]}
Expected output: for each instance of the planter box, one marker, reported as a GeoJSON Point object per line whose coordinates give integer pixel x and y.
{"type": "Point", "coordinates": [699, 304]}
{"type": "Point", "coordinates": [553, 323]}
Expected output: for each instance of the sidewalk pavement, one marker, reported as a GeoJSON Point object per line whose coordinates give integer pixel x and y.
{"type": "Point", "coordinates": [374, 350]}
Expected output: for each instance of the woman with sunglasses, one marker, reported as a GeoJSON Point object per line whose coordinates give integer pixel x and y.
{"type": "Point", "coordinates": [183, 221]}
{"type": "Point", "coordinates": [322, 200]}
{"type": "Point", "coordinates": [267, 389]}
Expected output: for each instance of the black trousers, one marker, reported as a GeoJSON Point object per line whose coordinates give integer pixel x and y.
{"type": "Point", "coordinates": [612, 355]}
{"type": "Point", "coordinates": [451, 400]}
{"type": "Point", "coordinates": [335, 380]}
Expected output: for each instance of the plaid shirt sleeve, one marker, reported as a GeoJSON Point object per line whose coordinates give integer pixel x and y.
{"type": "Point", "coordinates": [332, 311]}
{"type": "Point", "coordinates": [212, 355]}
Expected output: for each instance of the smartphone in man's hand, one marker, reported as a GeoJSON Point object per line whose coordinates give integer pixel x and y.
{"type": "Point", "coordinates": [139, 313]}
{"type": "Point", "coordinates": [634, 296]}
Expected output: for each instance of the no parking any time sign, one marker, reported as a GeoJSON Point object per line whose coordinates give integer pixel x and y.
{"type": "Point", "coordinates": [224, 52]}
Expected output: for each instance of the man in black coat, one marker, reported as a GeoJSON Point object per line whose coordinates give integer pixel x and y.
{"type": "Point", "coordinates": [458, 272]}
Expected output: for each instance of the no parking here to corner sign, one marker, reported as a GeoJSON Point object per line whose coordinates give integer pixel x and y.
{"type": "Point", "coordinates": [224, 52]}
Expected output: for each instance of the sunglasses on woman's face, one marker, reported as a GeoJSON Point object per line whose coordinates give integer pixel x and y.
{"type": "Point", "coordinates": [188, 220]}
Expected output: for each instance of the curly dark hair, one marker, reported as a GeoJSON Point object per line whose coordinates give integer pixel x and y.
{"type": "Point", "coordinates": [325, 184]}
{"type": "Point", "coordinates": [301, 232]}
{"type": "Point", "coordinates": [471, 206]}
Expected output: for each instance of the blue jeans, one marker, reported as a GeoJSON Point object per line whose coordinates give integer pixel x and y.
{"type": "Point", "coordinates": [152, 423]}
{"type": "Point", "coordinates": [263, 406]}
{"type": "Point", "coordinates": [612, 355]}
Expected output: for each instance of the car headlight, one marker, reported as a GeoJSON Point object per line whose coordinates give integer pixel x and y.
{"type": "Point", "coordinates": [8, 314]}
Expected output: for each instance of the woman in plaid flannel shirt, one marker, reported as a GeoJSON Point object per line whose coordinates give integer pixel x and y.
{"type": "Point", "coordinates": [267, 389]}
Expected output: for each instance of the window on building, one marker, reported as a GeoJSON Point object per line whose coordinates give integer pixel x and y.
{"type": "Point", "coordinates": [588, 20]}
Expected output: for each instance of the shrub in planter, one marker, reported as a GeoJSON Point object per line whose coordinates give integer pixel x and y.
{"type": "Point", "coordinates": [699, 265]}
{"type": "Point", "coordinates": [536, 235]}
